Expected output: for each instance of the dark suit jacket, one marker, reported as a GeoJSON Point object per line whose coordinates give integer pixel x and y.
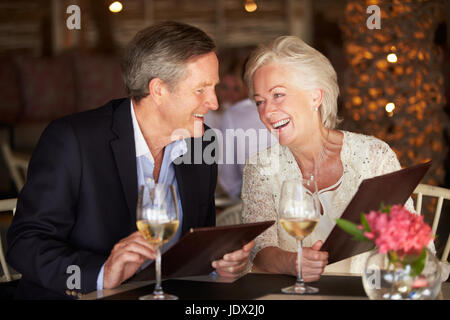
{"type": "Point", "coordinates": [80, 199]}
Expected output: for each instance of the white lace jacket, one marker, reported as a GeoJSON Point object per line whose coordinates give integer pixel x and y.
{"type": "Point", "coordinates": [362, 157]}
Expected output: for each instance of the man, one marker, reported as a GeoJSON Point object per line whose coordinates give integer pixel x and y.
{"type": "Point", "coordinates": [78, 207]}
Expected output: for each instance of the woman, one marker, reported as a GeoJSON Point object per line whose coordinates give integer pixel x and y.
{"type": "Point", "coordinates": [295, 89]}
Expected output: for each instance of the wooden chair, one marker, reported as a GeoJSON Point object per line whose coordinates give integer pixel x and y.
{"type": "Point", "coordinates": [6, 205]}
{"type": "Point", "coordinates": [17, 164]}
{"type": "Point", "coordinates": [441, 194]}
{"type": "Point", "coordinates": [230, 216]}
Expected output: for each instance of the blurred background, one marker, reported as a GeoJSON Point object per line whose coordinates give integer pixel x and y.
{"type": "Point", "coordinates": [394, 81]}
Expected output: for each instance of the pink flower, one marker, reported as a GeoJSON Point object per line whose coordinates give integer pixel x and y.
{"type": "Point", "coordinates": [399, 231]}
{"type": "Point", "coordinates": [369, 235]}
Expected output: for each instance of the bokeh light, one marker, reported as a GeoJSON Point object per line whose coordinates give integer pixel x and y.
{"type": "Point", "coordinates": [115, 7]}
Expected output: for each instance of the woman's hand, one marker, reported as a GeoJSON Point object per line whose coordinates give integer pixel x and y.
{"type": "Point", "coordinates": [234, 263]}
{"type": "Point", "coordinates": [313, 262]}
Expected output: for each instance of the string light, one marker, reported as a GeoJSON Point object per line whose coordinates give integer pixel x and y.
{"type": "Point", "coordinates": [394, 85]}
{"type": "Point", "coordinates": [392, 58]}
{"type": "Point", "coordinates": [390, 107]}
{"type": "Point", "coordinates": [250, 5]}
{"type": "Point", "coordinates": [115, 7]}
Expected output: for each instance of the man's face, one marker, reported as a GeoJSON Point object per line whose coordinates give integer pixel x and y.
{"type": "Point", "coordinates": [193, 96]}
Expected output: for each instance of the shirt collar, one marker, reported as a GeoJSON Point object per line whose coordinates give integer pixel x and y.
{"type": "Point", "coordinates": [175, 149]}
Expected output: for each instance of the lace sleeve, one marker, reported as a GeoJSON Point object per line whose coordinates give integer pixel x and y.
{"type": "Point", "coordinates": [258, 205]}
{"type": "Point", "coordinates": [386, 158]}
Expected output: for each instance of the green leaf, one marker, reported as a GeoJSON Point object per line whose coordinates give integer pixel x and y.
{"type": "Point", "coordinates": [385, 209]}
{"type": "Point", "coordinates": [352, 229]}
{"type": "Point", "coordinates": [364, 222]}
{"type": "Point", "coordinates": [393, 257]}
{"type": "Point", "coordinates": [419, 263]}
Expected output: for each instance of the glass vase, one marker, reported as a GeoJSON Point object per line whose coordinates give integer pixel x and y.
{"type": "Point", "coordinates": [383, 279]}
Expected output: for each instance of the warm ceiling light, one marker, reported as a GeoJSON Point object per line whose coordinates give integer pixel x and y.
{"type": "Point", "coordinates": [390, 107]}
{"type": "Point", "coordinates": [116, 6]}
{"type": "Point", "coordinates": [392, 58]}
{"type": "Point", "coordinates": [250, 6]}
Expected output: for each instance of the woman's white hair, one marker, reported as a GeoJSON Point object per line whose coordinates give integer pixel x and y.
{"type": "Point", "coordinates": [313, 71]}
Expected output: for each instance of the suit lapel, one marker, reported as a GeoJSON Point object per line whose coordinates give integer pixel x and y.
{"type": "Point", "coordinates": [185, 174]}
{"type": "Point", "coordinates": [124, 151]}
{"type": "Point", "coordinates": [194, 185]}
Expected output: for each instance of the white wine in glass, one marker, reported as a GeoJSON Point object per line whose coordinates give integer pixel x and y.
{"type": "Point", "coordinates": [157, 233]}
{"type": "Point", "coordinates": [299, 229]}
{"type": "Point", "coordinates": [157, 220]}
{"type": "Point", "coordinates": [299, 215]}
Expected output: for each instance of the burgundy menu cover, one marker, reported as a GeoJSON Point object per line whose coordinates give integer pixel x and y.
{"type": "Point", "coordinates": [390, 189]}
{"type": "Point", "coordinates": [196, 250]}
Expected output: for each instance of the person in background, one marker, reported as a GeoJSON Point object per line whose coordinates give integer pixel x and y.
{"type": "Point", "coordinates": [229, 90]}
{"type": "Point", "coordinates": [240, 143]}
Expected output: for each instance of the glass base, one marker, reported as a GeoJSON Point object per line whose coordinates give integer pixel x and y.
{"type": "Point", "coordinates": [162, 296]}
{"type": "Point", "coordinates": [299, 289]}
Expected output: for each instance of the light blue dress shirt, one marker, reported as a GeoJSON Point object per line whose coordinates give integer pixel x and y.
{"type": "Point", "coordinates": [145, 165]}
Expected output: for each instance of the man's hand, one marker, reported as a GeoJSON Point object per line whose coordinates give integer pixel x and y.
{"type": "Point", "coordinates": [234, 263]}
{"type": "Point", "coordinates": [125, 259]}
{"type": "Point", "coordinates": [313, 262]}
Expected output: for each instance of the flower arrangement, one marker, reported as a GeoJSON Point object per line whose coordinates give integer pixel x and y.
{"type": "Point", "coordinates": [400, 234]}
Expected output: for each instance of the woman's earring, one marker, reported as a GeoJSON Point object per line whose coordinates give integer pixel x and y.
{"type": "Point", "coordinates": [316, 109]}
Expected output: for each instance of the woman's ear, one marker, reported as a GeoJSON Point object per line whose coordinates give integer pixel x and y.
{"type": "Point", "coordinates": [317, 97]}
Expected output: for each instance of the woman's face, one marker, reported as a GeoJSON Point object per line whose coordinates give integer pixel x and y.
{"type": "Point", "coordinates": [285, 109]}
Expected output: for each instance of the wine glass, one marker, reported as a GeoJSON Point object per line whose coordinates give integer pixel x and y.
{"type": "Point", "coordinates": [299, 215]}
{"type": "Point", "coordinates": [157, 220]}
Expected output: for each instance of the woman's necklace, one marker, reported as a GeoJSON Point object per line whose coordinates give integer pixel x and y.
{"type": "Point", "coordinates": [314, 174]}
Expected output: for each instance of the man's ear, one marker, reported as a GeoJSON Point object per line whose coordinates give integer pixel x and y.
{"type": "Point", "coordinates": [157, 89]}
{"type": "Point", "coordinates": [317, 97]}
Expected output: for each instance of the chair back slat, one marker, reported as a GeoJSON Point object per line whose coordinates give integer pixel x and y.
{"type": "Point", "coordinates": [6, 205]}
{"type": "Point", "coordinates": [419, 203]}
{"type": "Point", "coordinates": [17, 165]}
{"type": "Point", "coordinates": [446, 250]}
{"type": "Point", "coordinates": [441, 194]}
{"type": "Point", "coordinates": [433, 191]}
{"type": "Point", "coordinates": [437, 214]}
{"type": "Point", "coordinates": [3, 263]}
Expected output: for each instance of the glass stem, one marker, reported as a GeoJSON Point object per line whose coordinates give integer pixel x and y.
{"type": "Point", "coordinates": [158, 289]}
{"type": "Point", "coordinates": [299, 261]}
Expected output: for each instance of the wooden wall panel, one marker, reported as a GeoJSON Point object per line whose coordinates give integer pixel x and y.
{"type": "Point", "coordinates": [20, 26]}
{"type": "Point", "coordinates": [22, 22]}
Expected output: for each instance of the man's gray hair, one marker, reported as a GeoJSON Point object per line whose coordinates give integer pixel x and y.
{"type": "Point", "coordinates": [312, 69]}
{"type": "Point", "coordinates": [161, 51]}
